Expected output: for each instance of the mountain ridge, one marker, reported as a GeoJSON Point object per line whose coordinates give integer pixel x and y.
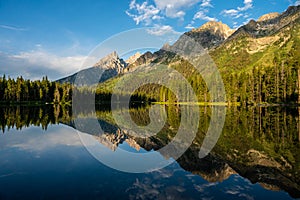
{"type": "Point", "coordinates": [109, 66]}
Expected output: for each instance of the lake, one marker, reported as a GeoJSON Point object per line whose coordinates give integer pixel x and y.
{"type": "Point", "coordinates": [52, 152]}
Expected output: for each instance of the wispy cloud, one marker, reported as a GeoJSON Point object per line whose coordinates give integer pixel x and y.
{"type": "Point", "coordinates": [297, 3]}
{"type": "Point", "coordinates": [13, 28]}
{"type": "Point", "coordinates": [206, 3]}
{"type": "Point", "coordinates": [143, 13]}
{"type": "Point", "coordinates": [247, 5]}
{"type": "Point", "coordinates": [160, 30]}
{"type": "Point", "coordinates": [238, 12]}
{"type": "Point", "coordinates": [189, 26]}
{"type": "Point", "coordinates": [35, 63]}
{"type": "Point", "coordinates": [202, 15]}
{"type": "Point", "coordinates": [175, 8]}
{"type": "Point", "coordinates": [231, 12]}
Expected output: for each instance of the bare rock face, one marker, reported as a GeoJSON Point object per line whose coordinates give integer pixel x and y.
{"type": "Point", "coordinates": [268, 16]}
{"type": "Point", "coordinates": [144, 59]}
{"type": "Point", "coordinates": [211, 34]}
{"type": "Point", "coordinates": [112, 62]}
{"type": "Point", "coordinates": [217, 28]}
{"type": "Point", "coordinates": [133, 58]}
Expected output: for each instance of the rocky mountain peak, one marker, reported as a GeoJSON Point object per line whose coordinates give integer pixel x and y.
{"type": "Point", "coordinates": [133, 58]}
{"type": "Point", "coordinates": [112, 62]}
{"type": "Point", "coordinates": [210, 34]}
{"type": "Point", "coordinates": [215, 27]}
{"type": "Point", "coordinates": [268, 16]}
{"type": "Point", "coordinates": [108, 59]}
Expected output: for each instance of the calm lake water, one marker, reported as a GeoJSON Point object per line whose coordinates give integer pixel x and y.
{"type": "Point", "coordinates": [43, 157]}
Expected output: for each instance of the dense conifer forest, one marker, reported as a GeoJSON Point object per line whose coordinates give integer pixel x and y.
{"type": "Point", "coordinates": [24, 90]}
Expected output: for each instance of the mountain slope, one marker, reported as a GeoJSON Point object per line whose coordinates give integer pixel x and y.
{"type": "Point", "coordinates": [258, 43]}
{"type": "Point", "coordinates": [109, 66]}
{"type": "Point", "coordinates": [211, 34]}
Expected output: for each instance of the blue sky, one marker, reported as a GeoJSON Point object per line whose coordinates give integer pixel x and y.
{"type": "Point", "coordinates": [54, 37]}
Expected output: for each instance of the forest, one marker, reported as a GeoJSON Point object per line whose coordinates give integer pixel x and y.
{"type": "Point", "coordinates": [43, 91]}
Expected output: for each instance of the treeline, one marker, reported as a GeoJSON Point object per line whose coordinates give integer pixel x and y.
{"type": "Point", "coordinates": [24, 90]}
{"type": "Point", "coordinates": [21, 90]}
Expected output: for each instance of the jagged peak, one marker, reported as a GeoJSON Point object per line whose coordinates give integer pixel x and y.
{"type": "Point", "coordinates": [268, 16]}
{"type": "Point", "coordinates": [112, 56]}
{"type": "Point", "coordinates": [215, 27]}
{"type": "Point", "coordinates": [210, 24]}
{"type": "Point", "coordinates": [133, 58]}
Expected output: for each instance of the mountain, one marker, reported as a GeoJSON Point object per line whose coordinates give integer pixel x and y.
{"type": "Point", "coordinates": [211, 34]}
{"type": "Point", "coordinates": [270, 24]}
{"type": "Point", "coordinates": [133, 58]}
{"type": "Point", "coordinates": [109, 66]}
{"type": "Point", "coordinates": [258, 43]}
{"type": "Point", "coordinates": [268, 16]}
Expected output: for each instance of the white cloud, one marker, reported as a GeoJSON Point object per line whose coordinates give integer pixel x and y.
{"type": "Point", "coordinates": [247, 5]}
{"type": "Point", "coordinates": [202, 15]}
{"type": "Point", "coordinates": [297, 3]}
{"type": "Point", "coordinates": [160, 30]}
{"type": "Point", "coordinates": [174, 8]}
{"type": "Point", "coordinates": [143, 12]}
{"type": "Point", "coordinates": [36, 63]}
{"type": "Point", "coordinates": [189, 26]}
{"type": "Point", "coordinates": [148, 13]}
{"type": "Point", "coordinates": [231, 12]}
{"type": "Point", "coordinates": [66, 64]}
{"type": "Point", "coordinates": [206, 3]}
{"type": "Point", "coordinates": [239, 15]}
{"type": "Point", "coordinates": [235, 25]}
{"type": "Point", "coordinates": [239, 11]}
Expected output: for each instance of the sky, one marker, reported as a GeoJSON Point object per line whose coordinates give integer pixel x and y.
{"type": "Point", "coordinates": [54, 38]}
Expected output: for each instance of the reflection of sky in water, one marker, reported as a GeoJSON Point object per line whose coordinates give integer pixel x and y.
{"type": "Point", "coordinates": [54, 164]}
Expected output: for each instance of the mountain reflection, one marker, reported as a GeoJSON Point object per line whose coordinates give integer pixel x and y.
{"type": "Point", "coordinates": [261, 144]}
